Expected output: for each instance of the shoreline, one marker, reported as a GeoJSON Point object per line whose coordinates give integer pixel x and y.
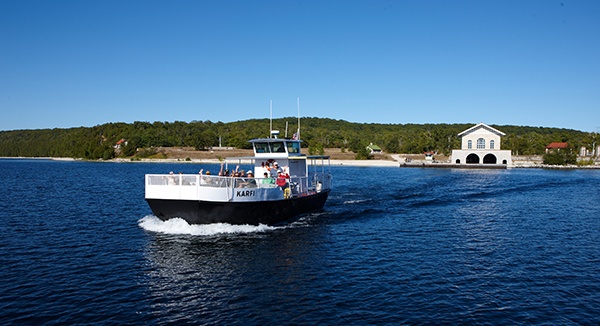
{"type": "Point", "coordinates": [352, 163]}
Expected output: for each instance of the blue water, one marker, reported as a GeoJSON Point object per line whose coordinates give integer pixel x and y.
{"type": "Point", "coordinates": [78, 245]}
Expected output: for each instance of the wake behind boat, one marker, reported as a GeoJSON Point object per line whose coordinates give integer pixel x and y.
{"type": "Point", "coordinates": [283, 183]}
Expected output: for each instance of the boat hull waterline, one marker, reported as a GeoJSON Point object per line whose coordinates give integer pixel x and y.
{"type": "Point", "coordinates": [250, 212]}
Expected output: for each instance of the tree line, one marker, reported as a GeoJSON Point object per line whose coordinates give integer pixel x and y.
{"type": "Point", "coordinates": [99, 142]}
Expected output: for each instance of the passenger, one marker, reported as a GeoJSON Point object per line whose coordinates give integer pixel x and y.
{"type": "Point", "coordinates": [205, 180]}
{"type": "Point", "coordinates": [277, 168]}
{"type": "Point", "coordinates": [222, 172]}
{"type": "Point", "coordinates": [267, 180]}
{"type": "Point", "coordinates": [201, 177]}
{"type": "Point", "coordinates": [283, 183]}
{"type": "Point", "coordinates": [239, 182]}
{"type": "Point", "coordinates": [172, 178]}
{"type": "Point", "coordinates": [251, 182]}
{"type": "Point", "coordinates": [244, 180]}
{"type": "Point", "coordinates": [272, 171]}
{"type": "Point", "coordinates": [281, 180]}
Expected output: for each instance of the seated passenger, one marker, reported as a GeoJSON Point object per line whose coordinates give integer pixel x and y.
{"type": "Point", "coordinates": [250, 181]}
{"type": "Point", "coordinates": [239, 182]}
{"type": "Point", "coordinates": [267, 180]}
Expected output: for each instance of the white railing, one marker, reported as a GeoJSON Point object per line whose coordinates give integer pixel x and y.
{"type": "Point", "coordinates": [189, 186]}
{"type": "Point", "coordinates": [207, 181]}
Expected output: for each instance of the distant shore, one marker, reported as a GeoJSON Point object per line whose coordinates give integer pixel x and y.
{"type": "Point", "coordinates": [369, 163]}
{"type": "Point", "coordinates": [517, 164]}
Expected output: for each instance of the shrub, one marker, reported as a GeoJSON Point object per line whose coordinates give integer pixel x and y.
{"type": "Point", "coordinates": [565, 157]}
{"type": "Point", "coordinates": [146, 152]}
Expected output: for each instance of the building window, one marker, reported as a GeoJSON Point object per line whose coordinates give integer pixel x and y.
{"type": "Point", "coordinates": [469, 144]}
{"type": "Point", "coordinates": [491, 144]}
{"type": "Point", "coordinates": [480, 143]}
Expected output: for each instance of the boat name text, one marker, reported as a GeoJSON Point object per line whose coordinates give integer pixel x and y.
{"type": "Point", "coordinates": [245, 193]}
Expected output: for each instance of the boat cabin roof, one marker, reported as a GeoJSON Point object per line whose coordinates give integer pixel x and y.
{"type": "Point", "coordinates": [276, 147]}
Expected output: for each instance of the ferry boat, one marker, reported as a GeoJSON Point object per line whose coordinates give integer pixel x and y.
{"type": "Point", "coordinates": [303, 186]}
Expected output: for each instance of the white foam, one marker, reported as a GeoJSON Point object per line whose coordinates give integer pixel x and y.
{"type": "Point", "coordinates": [356, 201]}
{"type": "Point", "coordinates": [179, 226]}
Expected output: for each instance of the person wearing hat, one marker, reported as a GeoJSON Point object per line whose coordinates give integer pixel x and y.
{"type": "Point", "coordinates": [246, 181]}
{"type": "Point", "coordinates": [278, 168]}
{"type": "Point", "coordinates": [275, 170]}
{"type": "Point", "coordinates": [204, 179]}
{"type": "Point", "coordinates": [251, 182]}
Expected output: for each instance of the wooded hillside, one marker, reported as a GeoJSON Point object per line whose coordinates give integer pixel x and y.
{"type": "Point", "coordinates": [99, 142]}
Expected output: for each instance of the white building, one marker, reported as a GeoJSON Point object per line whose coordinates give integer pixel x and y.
{"type": "Point", "coordinates": [480, 144]}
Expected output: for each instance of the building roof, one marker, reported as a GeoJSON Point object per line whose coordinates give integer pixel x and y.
{"type": "Point", "coordinates": [557, 145]}
{"type": "Point", "coordinates": [481, 126]}
{"type": "Point", "coordinates": [374, 147]}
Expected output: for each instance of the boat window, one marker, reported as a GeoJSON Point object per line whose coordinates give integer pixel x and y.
{"type": "Point", "coordinates": [293, 147]}
{"type": "Point", "coordinates": [261, 147]}
{"type": "Point", "coordinates": [277, 147]}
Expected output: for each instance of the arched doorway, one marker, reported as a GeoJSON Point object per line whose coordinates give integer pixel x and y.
{"type": "Point", "coordinates": [457, 161]}
{"type": "Point", "coordinates": [472, 159]}
{"type": "Point", "coordinates": [489, 159]}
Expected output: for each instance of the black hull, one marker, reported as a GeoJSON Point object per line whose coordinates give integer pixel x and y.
{"type": "Point", "coordinates": [253, 213]}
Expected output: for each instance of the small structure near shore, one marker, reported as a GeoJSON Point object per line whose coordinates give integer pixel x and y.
{"type": "Point", "coordinates": [557, 146]}
{"type": "Point", "coordinates": [374, 149]}
{"type": "Point", "coordinates": [480, 145]}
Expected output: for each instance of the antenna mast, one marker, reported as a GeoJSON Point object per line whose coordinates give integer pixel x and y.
{"type": "Point", "coordinates": [271, 118]}
{"type": "Point", "coordinates": [298, 118]}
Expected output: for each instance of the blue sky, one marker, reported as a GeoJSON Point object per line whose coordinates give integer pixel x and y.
{"type": "Point", "coordinates": [83, 63]}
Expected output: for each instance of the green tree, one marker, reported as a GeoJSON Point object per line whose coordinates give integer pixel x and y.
{"type": "Point", "coordinates": [560, 157]}
{"type": "Point", "coordinates": [363, 154]}
{"type": "Point", "coordinates": [316, 149]}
